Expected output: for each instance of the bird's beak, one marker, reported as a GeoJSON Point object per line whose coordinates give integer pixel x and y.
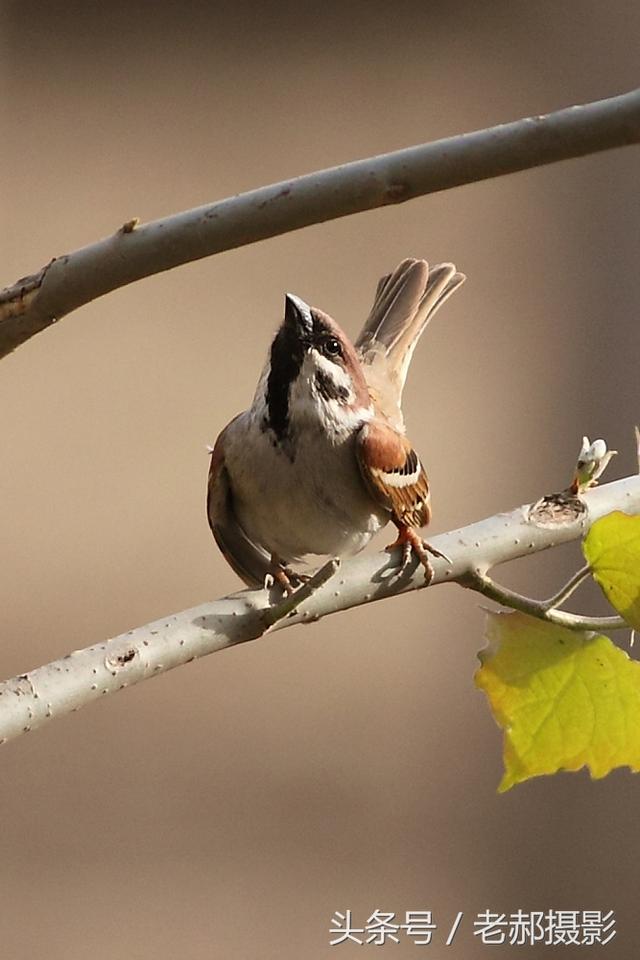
{"type": "Point", "coordinates": [297, 315]}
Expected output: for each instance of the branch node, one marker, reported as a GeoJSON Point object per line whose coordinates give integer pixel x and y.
{"type": "Point", "coordinates": [130, 225]}
{"type": "Point", "coordinates": [557, 510]}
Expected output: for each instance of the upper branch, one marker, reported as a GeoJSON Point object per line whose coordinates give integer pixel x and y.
{"type": "Point", "coordinates": [133, 252]}
{"type": "Point", "coordinates": [29, 700]}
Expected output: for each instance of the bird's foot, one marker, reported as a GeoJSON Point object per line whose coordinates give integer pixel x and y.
{"type": "Point", "coordinates": [409, 540]}
{"type": "Point", "coordinates": [286, 578]}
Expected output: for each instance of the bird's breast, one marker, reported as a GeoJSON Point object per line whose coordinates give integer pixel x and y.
{"type": "Point", "coordinates": [304, 497]}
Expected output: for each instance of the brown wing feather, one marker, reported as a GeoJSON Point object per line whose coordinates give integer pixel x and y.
{"type": "Point", "coordinates": [393, 473]}
{"type": "Point", "coordinates": [249, 561]}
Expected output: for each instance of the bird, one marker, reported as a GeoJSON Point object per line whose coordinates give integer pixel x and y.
{"type": "Point", "coordinates": [320, 461]}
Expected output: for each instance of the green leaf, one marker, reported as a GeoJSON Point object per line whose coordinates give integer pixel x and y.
{"type": "Point", "coordinates": [612, 550]}
{"type": "Point", "coordinates": [565, 699]}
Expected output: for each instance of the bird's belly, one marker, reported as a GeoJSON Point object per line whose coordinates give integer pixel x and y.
{"type": "Point", "coordinates": [316, 504]}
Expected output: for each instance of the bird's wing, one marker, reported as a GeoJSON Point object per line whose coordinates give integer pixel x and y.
{"type": "Point", "coordinates": [248, 560]}
{"type": "Point", "coordinates": [404, 303]}
{"type": "Point", "coordinates": [393, 474]}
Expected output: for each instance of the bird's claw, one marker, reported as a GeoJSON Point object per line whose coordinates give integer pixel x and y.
{"type": "Point", "coordinates": [286, 578]}
{"type": "Point", "coordinates": [410, 541]}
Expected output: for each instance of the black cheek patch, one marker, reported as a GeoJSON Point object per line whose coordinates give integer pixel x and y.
{"type": "Point", "coordinates": [329, 390]}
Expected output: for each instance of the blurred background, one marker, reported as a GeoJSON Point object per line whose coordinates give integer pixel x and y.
{"type": "Point", "coordinates": [230, 807]}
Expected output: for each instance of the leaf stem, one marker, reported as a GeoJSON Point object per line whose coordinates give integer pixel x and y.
{"type": "Point", "coordinates": [483, 584]}
{"type": "Point", "coordinates": [565, 592]}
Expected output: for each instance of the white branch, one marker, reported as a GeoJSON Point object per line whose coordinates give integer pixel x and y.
{"type": "Point", "coordinates": [133, 252]}
{"type": "Point", "coordinates": [31, 699]}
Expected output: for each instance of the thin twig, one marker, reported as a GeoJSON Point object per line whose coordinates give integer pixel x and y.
{"type": "Point", "coordinates": [289, 604]}
{"type": "Point", "coordinates": [535, 608]}
{"type": "Point", "coordinates": [565, 592]}
{"type": "Point", "coordinates": [135, 251]}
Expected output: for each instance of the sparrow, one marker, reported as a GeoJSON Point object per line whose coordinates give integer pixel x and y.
{"type": "Point", "coordinates": [320, 461]}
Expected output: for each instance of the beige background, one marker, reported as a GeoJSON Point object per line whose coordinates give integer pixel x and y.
{"type": "Point", "coordinates": [229, 808]}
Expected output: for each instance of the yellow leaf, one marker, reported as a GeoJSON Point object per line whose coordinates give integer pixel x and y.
{"type": "Point", "coordinates": [612, 550]}
{"type": "Point", "coordinates": [565, 699]}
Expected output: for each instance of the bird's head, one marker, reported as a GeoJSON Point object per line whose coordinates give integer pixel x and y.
{"type": "Point", "coordinates": [315, 378]}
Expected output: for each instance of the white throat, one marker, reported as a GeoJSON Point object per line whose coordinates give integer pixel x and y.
{"type": "Point", "coordinates": [322, 398]}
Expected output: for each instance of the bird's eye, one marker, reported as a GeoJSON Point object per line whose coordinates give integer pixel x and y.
{"type": "Point", "coordinates": [332, 347]}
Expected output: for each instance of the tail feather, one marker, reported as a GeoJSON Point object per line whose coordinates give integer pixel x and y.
{"type": "Point", "coordinates": [404, 303]}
